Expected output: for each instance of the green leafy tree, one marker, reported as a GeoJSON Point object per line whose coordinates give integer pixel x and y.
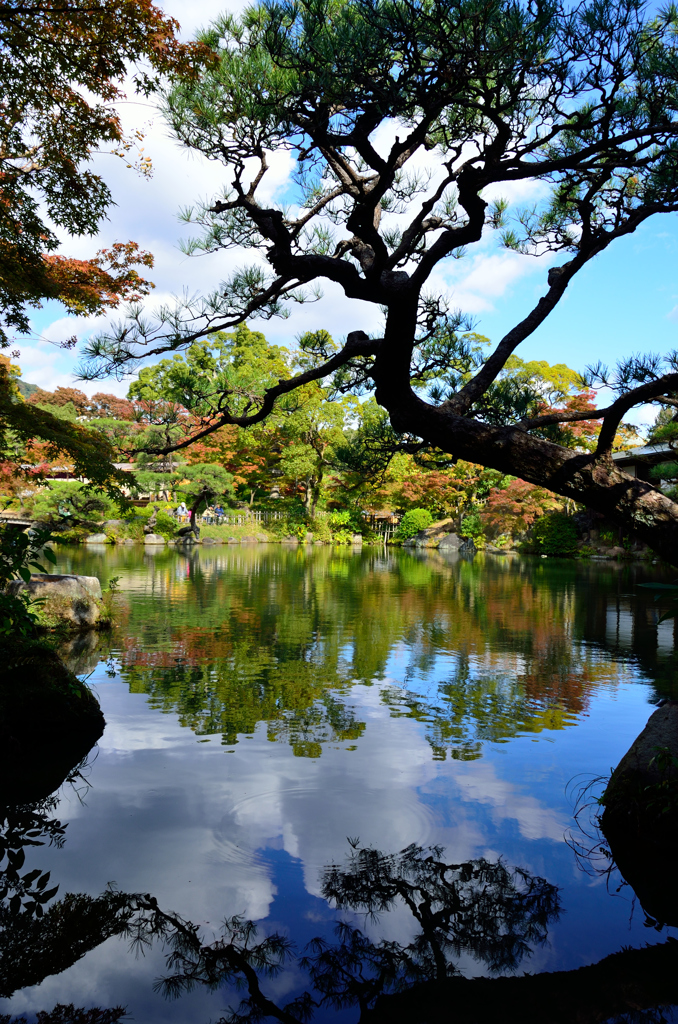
{"type": "Point", "coordinates": [471, 526]}
{"type": "Point", "coordinates": [182, 396]}
{"type": "Point", "coordinates": [242, 364]}
{"type": "Point", "coordinates": [383, 471]}
{"type": "Point", "coordinates": [204, 479]}
{"type": "Point", "coordinates": [312, 429]}
{"type": "Point", "coordinates": [581, 99]}
{"type": "Point", "coordinates": [295, 446]}
{"type": "Point", "coordinates": [27, 427]}
{"type": "Point", "coordinates": [664, 431]}
{"type": "Point", "coordinates": [64, 504]}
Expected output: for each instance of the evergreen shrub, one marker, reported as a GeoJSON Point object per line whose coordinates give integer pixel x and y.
{"type": "Point", "coordinates": [555, 534]}
{"type": "Point", "coordinates": [412, 522]}
{"type": "Point", "coordinates": [136, 518]}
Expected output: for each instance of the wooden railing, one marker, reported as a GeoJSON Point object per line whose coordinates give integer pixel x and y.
{"type": "Point", "coordinates": [15, 518]}
{"type": "Point", "coordinates": [235, 517]}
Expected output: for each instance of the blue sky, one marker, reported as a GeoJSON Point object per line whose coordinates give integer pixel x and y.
{"type": "Point", "coordinates": [625, 301]}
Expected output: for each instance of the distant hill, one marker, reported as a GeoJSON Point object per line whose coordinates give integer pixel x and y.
{"type": "Point", "coordinates": [25, 388]}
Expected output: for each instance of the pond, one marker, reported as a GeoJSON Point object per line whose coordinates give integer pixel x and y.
{"type": "Point", "coordinates": [326, 742]}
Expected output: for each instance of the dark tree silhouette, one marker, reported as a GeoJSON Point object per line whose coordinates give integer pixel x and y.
{"type": "Point", "coordinates": [580, 98]}
{"type": "Point", "coordinates": [495, 914]}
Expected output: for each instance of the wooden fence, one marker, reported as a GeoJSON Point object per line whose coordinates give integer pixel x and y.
{"type": "Point", "coordinates": [235, 517]}
{"type": "Point", "coordinates": [383, 525]}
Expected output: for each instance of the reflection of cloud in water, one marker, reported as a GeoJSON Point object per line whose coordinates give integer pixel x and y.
{"type": "Point", "coordinates": [192, 824]}
{"type": "Point", "coordinates": [479, 783]}
{"type": "Point", "coordinates": [260, 795]}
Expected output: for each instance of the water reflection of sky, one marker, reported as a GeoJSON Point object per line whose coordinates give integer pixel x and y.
{"type": "Point", "coordinates": [213, 830]}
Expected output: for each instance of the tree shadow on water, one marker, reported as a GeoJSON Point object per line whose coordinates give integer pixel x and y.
{"type": "Point", "coordinates": [477, 910]}
{"type": "Point", "coordinates": [482, 909]}
{"type": "Point", "coordinates": [41, 936]}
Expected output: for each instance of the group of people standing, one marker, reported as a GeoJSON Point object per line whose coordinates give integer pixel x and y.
{"type": "Point", "coordinates": [214, 511]}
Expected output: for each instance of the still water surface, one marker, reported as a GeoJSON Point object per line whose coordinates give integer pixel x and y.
{"type": "Point", "coordinates": [266, 705]}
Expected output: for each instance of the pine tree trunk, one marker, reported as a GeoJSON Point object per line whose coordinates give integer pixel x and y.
{"type": "Point", "coordinates": [633, 504]}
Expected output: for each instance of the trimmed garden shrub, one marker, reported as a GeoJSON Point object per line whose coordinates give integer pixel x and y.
{"type": "Point", "coordinates": [412, 522]}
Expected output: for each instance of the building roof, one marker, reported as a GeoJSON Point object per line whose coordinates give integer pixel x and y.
{"type": "Point", "coordinates": [652, 453]}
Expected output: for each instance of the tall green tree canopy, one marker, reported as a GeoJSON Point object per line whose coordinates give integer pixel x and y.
{"type": "Point", "coordinates": [303, 432]}
{"type": "Point", "coordinates": [581, 97]}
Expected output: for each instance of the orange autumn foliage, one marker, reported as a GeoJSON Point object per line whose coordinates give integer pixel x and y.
{"type": "Point", "coordinates": [89, 286]}
{"type": "Point", "coordinates": [513, 509]}
{"type": "Point", "coordinates": [63, 67]}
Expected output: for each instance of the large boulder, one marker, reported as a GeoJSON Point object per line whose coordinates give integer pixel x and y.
{"type": "Point", "coordinates": [154, 538]}
{"type": "Point", "coordinates": [433, 534]}
{"type": "Point", "coordinates": [642, 784]}
{"type": "Point", "coordinates": [73, 600]}
{"type": "Point", "coordinates": [450, 542]}
{"type": "Point", "coordinates": [640, 817]}
{"type": "Point", "coordinates": [96, 538]}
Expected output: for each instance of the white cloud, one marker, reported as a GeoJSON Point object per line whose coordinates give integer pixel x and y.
{"type": "Point", "coordinates": [490, 276]}
{"type": "Point", "coordinates": [147, 212]}
{"type": "Point", "coordinates": [192, 17]}
{"type": "Point", "coordinates": [479, 783]}
{"type": "Point", "coordinates": [39, 366]}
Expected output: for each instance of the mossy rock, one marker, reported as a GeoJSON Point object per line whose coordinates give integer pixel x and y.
{"type": "Point", "coordinates": [49, 720]}
{"type": "Point", "coordinates": [63, 600]}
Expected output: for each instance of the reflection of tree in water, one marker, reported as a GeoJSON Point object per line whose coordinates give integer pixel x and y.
{"type": "Point", "coordinates": [482, 909]}
{"type": "Point", "coordinates": [22, 826]}
{"type": "Point", "coordinates": [265, 635]}
{"type": "Point", "coordinates": [326, 720]}
{"type": "Point", "coordinates": [69, 1014]}
{"type": "Point", "coordinates": [38, 939]}
{"type": "Point", "coordinates": [477, 908]}
{"type": "Point", "coordinates": [471, 709]}
{"type": "Point", "coordinates": [298, 705]}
